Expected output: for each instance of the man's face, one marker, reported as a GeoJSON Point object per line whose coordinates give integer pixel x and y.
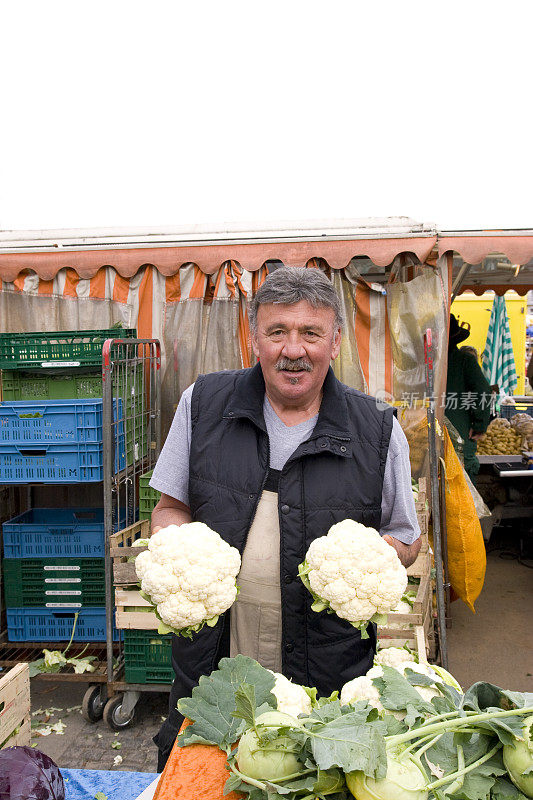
{"type": "Point", "coordinates": [295, 344]}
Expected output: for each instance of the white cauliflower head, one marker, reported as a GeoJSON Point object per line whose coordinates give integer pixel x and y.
{"type": "Point", "coordinates": [291, 697]}
{"type": "Point", "coordinates": [355, 572]}
{"type": "Point", "coordinates": [363, 688]}
{"type": "Point", "coordinates": [189, 574]}
{"type": "Point", "coordinates": [393, 656]}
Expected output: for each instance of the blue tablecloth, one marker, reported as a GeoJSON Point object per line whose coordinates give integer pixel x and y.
{"type": "Point", "coordinates": [83, 784]}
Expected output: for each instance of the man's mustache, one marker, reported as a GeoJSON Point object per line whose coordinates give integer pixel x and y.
{"type": "Point", "coordinates": [295, 365]}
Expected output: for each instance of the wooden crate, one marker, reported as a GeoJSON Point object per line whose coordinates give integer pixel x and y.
{"type": "Point", "coordinates": [422, 513]}
{"type": "Point", "coordinates": [15, 707]}
{"type": "Point", "coordinates": [121, 550]}
{"type": "Point", "coordinates": [420, 614]}
{"type": "Point", "coordinates": [127, 596]}
{"type": "Point", "coordinates": [127, 615]}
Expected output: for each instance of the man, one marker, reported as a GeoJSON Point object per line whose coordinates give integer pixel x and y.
{"type": "Point", "coordinates": [468, 395]}
{"type": "Point", "coordinates": [270, 458]}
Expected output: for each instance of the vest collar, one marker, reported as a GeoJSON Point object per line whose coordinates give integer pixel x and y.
{"type": "Point", "coordinates": [248, 397]}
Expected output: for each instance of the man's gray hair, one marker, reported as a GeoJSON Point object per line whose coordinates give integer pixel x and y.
{"type": "Point", "coordinates": [290, 285]}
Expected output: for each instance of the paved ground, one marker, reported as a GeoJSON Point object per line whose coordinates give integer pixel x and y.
{"type": "Point", "coordinates": [90, 746]}
{"type": "Point", "coordinates": [495, 644]}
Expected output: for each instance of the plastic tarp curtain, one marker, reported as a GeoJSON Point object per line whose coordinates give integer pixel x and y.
{"type": "Point", "coordinates": [202, 323]}
{"type": "Point", "coordinates": [204, 326]}
{"type": "Point", "coordinates": [413, 306]}
{"type": "Point", "coordinates": [66, 303]}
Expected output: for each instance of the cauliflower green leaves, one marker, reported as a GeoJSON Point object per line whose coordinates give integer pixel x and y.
{"type": "Point", "coordinates": [354, 573]}
{"type": "Point", "coordinates": [188, 575]}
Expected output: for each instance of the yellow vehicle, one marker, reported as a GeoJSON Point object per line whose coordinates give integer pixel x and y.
{"type": "Point", "coordinates": [475, 310]}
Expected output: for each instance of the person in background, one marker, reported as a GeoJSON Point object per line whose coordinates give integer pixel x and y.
{"type": "Point", "coordinates": [468, 395]}
{"type": "Point", "coordinates": [494, 389]}
{"type": "Point", "coordinates": [529, 373]}
{"type": "Point", "coordinates": [270, 457]}
{"type": "Point", "coordinates": [467, 348]}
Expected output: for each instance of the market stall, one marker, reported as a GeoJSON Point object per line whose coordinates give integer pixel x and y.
{"type": "Point", "coordinates": [487, 266]}
{"type": "Point", "coordinates": [189, 291]}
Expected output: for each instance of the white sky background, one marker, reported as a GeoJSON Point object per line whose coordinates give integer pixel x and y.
{"type": "Point", "coordinates": [170, 113]}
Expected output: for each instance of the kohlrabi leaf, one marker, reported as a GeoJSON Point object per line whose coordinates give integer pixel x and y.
{"type": "Point", "coordinates": [328, 712]}
{"type": "Point", "coordinates": [397, 694]}
{"type": "Point", "coordinates": [350, 743]}
{"type": "Point", "coordinates": [232, 784]}
{"type": "Point", "coordinates": [334, 709]}
{"type": "Point", "coordinates": [245, 704]}
{"type": "Point", "coordinates": [297, 785]}
{"type": "Point", "coordinates": [329, 781]}
{"type": "Point", "coordinates": [418, 678]}
{"type": "Point", "coordinates": [443, 754]}
{"type": "Point", "coordinates": [478, 783]}
{"type": "Point", "coordinates": [482, 696]}
{"type": "Point", "coordinates": [503, 789]}
{"type": "Point", "coordinates": [454, 698]}
{"type": "Point", "coordinates": [212, 703]}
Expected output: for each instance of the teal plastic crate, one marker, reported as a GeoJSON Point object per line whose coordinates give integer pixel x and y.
{"type": "Point", "coordinates": [54, 582]}
{"type": "Point", "coordinates": [57, 348]}
{"type": "Point", "coordinates": [73, 385]}
{"type": "Point", "coordinates": [148, 497]}
{"type": "Point", "coordinates": [147, 657]}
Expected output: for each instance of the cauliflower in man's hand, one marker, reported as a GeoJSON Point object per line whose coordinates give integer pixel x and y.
{"type": "Point", "coordinates": [354, 573]}
{"type": "Point", "coordinates": [188, 573]}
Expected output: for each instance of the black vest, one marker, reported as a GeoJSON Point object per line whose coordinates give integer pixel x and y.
{"type": "Point", "coordinates": [336, 474]}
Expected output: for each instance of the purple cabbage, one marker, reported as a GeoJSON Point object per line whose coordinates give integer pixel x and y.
{"type": "Point", "coordinates": [28, 774]}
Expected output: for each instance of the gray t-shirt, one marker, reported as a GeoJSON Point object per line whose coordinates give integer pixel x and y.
{"type": "Point", "coordinates": [398, 515]}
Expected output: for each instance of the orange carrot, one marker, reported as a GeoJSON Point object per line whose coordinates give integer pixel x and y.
{"type": "Point", "coordinates": [195, 772]}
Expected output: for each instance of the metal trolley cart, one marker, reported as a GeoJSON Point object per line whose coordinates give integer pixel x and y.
{"type": "Point", "coordinates": [131, 371]}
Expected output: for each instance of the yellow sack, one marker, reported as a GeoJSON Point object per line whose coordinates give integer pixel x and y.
{"type": "Point", "coordinates": [467, 560]}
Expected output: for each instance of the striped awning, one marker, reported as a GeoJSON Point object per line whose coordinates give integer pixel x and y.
{"type": "Point", "coordinates": [250, 256]}
{"type": "Point", "coordinates": [474, 247]}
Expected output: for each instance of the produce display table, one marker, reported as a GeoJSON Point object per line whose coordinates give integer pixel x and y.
{"type": "Point", "coordinates": [81, 784]}
{"type": "Point", "coordinates": [506, 485]}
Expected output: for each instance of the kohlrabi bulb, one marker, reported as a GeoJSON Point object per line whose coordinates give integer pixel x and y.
{"type": "Point", "coordinates": [404, 781]}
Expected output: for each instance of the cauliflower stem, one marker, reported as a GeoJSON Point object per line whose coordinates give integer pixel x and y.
{"type": "Point", "coordinates": [187, 633]}
{"type": "Point", "coordinates": [319, 604]}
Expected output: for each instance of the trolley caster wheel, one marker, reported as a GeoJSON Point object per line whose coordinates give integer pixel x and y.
{"type": "Point", "coordinates": [113, 715]}
{"type": "Point", "coordinates": [92, 706]}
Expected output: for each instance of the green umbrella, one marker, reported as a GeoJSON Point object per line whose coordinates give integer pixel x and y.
{"type": "Point", "coordinates": [498, 359]}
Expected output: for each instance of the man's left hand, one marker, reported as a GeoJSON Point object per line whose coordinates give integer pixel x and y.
{"type": "Point", "coordinates": [407, 553]}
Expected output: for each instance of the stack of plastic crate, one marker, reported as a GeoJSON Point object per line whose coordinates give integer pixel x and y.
{"type": "Point", "coordinates": [51, 431]}
{"type": "Point", "coordinates": [53, 569]}
{"type": "Point", "coordinates": [148, 497]}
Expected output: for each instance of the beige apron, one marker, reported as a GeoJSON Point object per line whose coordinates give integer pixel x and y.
{"type": "Point", "coordinates": [255, 629]}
